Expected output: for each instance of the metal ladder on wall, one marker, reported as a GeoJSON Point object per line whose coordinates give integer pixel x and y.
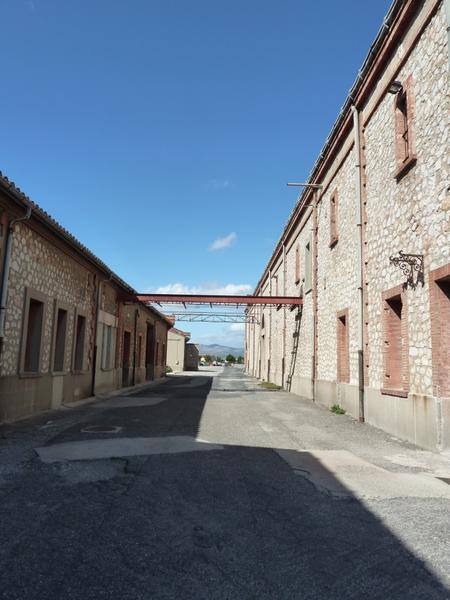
{"type": "Point", "coordinates": [296, 336]}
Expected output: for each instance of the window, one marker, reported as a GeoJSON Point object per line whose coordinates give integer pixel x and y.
{"type": "Point", "coordinates": [80, 334]}
{"type": "Point", "coordinates": [297, 264]}
{"type": "Point", "coordinates": [333, 220]}
{"type": "Point", "coordinates": [60, 340]}
{"type": "Point", "coordinates": [307, 276]}
{"type": "Point", "coordinates": [395, 351]}
{"type": "Point", "coordinates": [404, 150]}
{"type": "Point", "coordinates": [33, 338]}
{"type": "Point", "coordinates": [440, 329]}
{"type": "Point", "coordinates": [342, 346]}
{"type": "Point", "coordinates": [107, 346]}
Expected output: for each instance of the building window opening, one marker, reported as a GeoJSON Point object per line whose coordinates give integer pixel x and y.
{"type": "Point", "coordinates": [107, 347]}
{"type": "Point", "coordinates": [403, 129]}
{"type": "Point", "coordinates": [139, 351]}
{"type": "Point", "coordinates": [60, 340]}
{"type": "Point", "coordinates": [297, 264]}
{"type": "Point", "coordinates": [333, 220]}
{"type": "Point", "coordinates": [394, 350]}
{"type": "Point", "coordinates": [308, 267]}
{"type": "Point", "coordinates": [343, 363]}
{"type": "Point", "coordinates": [34, 336]}
{"type": "Point", "coordinates": [440, 316]}
{"type": "Point", "coordinates": [80, 334]}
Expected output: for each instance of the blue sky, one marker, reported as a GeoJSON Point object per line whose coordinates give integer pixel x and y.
{"type": "Point", "coordinates": [162, 133]}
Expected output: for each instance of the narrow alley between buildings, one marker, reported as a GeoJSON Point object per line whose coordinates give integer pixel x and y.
{"type": "Point", "coordinates": [209, 486]}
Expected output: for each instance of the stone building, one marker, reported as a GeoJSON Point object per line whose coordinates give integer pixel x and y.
{"type": "Point", "coordinates": [69, 327]}
{"type": "Point", "coordinates": [191, 357]}
{"type": "Point", "coordinates": [176, 349]}
{"type": "Point", "coordinates": [368, 248]}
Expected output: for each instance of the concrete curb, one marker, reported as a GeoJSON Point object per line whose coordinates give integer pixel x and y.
{"type": "Point", "coordinates": [127, 391]}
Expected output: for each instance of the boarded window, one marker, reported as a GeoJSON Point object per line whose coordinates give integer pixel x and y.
{"type": "Point", "coordinates": [395, 344]}
{"type": "Point", "coordinates": [343, 362]}
{"type": "Point", "coordinates": [33, 336]}
{"type": "Point", "coordinates": [60, 340]}
{"type": "Point", "coordinates": [440, 329]}
{"type": "Point", "coordinates": [80, 334]}
{"type": "Point", "coordinates": [333, 220]}
{"type": "Point", "coordinates": [404, 143]}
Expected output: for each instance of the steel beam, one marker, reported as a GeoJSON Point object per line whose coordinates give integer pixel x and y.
{"type": "Point", "coordinates": [213, 317]}
{"type": "Point", "coordinates": [236, 300]}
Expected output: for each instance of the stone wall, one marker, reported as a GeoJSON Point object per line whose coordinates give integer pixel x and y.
{"type": "Point", "coordinates": [44, 267]}
{"type": "Point", "coordinates": [39, 266]}
{"type": "Point", "coordinates": [411, 213]}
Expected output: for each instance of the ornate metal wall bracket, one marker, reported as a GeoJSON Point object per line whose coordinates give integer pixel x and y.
{"type": "Point", "coordinates": [412, 267]}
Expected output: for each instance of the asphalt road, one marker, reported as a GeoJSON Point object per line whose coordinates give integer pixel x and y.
{"type": "Point", "coordinates": [217, 503]}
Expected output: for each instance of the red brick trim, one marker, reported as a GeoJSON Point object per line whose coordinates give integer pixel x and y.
{"type": "Point", "coordinates": [342, 347]}
{"type": "Point", "coordinates": [395, 364]}
{"type": "Point", "coordinates": [440, 330]}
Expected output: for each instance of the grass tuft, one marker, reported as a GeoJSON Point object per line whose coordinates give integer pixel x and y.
{"type": "Point", "coordinates": [267, 385]}
{"type": "Point", "coordinates": [337, 410]}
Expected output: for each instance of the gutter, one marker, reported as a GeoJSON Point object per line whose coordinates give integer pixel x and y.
{"type": "Point", "coordinates": [5, 275]}
{"type": "Point", "coordinates": [360, 262]}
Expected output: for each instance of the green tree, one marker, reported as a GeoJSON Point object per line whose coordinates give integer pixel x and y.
{"type": "Point", "coordinates": [240, 360]}
{"type": "Point", "coordinates": [230, 358]}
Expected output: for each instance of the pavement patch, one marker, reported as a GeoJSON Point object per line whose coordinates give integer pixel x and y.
{"type": "Point", "coordinates": [342, 474]}
{"type": "Point", "coordinates": [119, 447]}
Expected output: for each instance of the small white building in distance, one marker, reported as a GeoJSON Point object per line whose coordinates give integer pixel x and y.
{"type": "Point", "coordinates": [176, 349]}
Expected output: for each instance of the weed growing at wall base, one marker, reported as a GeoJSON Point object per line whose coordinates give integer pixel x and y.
{"type": "Point", "coordinates": [337, 410]}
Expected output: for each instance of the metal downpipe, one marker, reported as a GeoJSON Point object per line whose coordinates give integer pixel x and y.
{"type": "Point", "coordinates": [360, 266]}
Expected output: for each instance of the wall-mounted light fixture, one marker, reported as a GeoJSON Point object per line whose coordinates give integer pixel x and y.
{"type": "Point", "coordinates": [395, 87]}
{"type": "Point", "coordinates": [412, 267]}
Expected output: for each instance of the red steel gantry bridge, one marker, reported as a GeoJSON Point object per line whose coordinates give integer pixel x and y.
{"type": "Point", "coordinates": [219, 300]}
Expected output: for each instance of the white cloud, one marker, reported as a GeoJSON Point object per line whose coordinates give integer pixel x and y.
{"type": "Point", "coordinates": [230, 289]}
{"type": "Point", "coordinates": [218, 184]}
{"type": "Point", "coordinates": [225, 242]}
{"type": "Point", "coordinates": [237, 327]}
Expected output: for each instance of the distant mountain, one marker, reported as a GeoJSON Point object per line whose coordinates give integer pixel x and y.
{"type": "Point", "coordinates": [218, 350]}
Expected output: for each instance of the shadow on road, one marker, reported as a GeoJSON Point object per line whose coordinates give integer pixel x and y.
{"type": "Point", "coordinates": [225, 524]}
